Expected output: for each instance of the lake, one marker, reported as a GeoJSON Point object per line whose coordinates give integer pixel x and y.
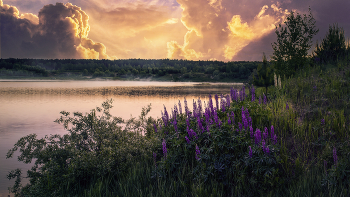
{"type": "Point", "coordinates": [29, 106]}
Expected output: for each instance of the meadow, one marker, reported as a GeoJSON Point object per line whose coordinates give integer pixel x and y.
{"type": "Point", "coordinates": [293, 141]}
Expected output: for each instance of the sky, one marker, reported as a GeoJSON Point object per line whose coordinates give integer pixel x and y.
{"type": "Point", "coordinates": [224, 30]}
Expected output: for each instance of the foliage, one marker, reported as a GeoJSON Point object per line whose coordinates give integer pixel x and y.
{"type": "Point", "coordinates": [265, 74]}
{"type": "Point", "coordinates": [96, 146]}
{"type": "Point", "coordinates": [332, 47]}
{"type": "Point", "coordinates": [293, 42]}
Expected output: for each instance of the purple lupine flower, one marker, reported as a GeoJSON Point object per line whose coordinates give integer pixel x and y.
{"type": "Point", "coordinates": [233, 117]}
{"type": "Point", "coordinates": [257, 136]}
{"type": "Point", "coordinates": [265, 133]}
{"type": "Point", "coordinates": [194, 109]}
{"type": "Point", "coordinates": [175, 125]}
{"type": "Point", "coordinates": [155, 159]}
{"type": "Point", "coordinates": [216, 118]}
{"type": "Point", "coordinates": [287, 106]}
{"type": "Point", "coordinates": [200, 125]}
{"type": "Point", "coordinates": [228, 118]}
{"type": "Point", "coordinates": [180, 108]}
{"type": "Point", "coordinates": [228, 101]}
{"type": "Point", "coordinates": [233, 96]}
{"type": "Point", "coordinates": [323, 122]}
{"type": "Point", "coordinates": [251, 132]}
{"type": "Point", "coordinates": [165, 117]}
{"type": "Point", "coordinates": [211, 106]}
{"type": "Point", "coordinates": [197, 153]}
{"type": "Point", "coordinates": [217, 101]}
{"type": "Point", "coordinates": [155, 127]}
{"type": "Point", "coordinates": [265, 99]}
{"type": "Point", "coordinates": [223, 103]}
{"type": "Point", "coordinates": [274, 139]}
{"type": "Point", "coordinates": [250, 152]}
{"type": "Point", "coordinates": [267, 150]}
{"type": "Point", "coordinates": [252, 92]}
{"type": "Point", "coordinates": [191, 133]}
{"type": "Point", "coordinates": [259, 100]}
{"type": "Point", "coordinates": [175, 112]}
{"type": "Point", "coordinates": [164, 148]}
{"type": "Point", "coordinates": [199, 108]}
{"type": "Point", "coordinates": [186, 107]}
{"type": "Point", "coordinates": [250, 121]}
{"type": "Point", "coordinates": [240, 126]}
{"type": "Point", "coordinates": [335, 157]}
{"type": "Point", "coordinates": [187, 140]}
{"type": "Point", "coordinates": [188, 122]}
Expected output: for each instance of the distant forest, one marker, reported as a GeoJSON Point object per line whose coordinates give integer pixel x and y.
{"type": "Point", "coordinates": [130, 69]}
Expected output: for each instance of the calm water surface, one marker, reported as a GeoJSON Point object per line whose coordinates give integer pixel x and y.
{"type": "Point", "coordinates": [31, 107]}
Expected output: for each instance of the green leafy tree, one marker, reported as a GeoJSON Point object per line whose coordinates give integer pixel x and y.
{"type": "Point", "coordinates": [332, 47]}
{"type": "Point", "coordinates": [294, 39]}
{"type": "Point", "coordinates": [264, 74]}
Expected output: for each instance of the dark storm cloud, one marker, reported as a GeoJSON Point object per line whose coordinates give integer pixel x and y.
{"type": "Point", "coordinates": [61, 32]}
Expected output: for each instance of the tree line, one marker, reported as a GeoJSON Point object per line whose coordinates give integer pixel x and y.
{"type": "Point", "coordinates": [175, 70]}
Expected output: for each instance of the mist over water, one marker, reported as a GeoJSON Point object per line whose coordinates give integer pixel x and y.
{"type": "Point", "coordinates": [32, 106]}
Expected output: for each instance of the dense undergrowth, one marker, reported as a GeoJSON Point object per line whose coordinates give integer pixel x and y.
{"type": "Point", "coordinates": [292, 142]}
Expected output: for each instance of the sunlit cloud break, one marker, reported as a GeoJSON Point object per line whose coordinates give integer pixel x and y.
{"type": "Point", "coordinates": [212, 34]}
{"type": "Point", "coordinates": [59, 31]}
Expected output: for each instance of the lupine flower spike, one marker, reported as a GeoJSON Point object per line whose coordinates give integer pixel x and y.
{"type": "Point", "coordinates": [250, 152]}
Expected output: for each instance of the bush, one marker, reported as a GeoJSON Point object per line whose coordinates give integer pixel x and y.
{"type": "Point", "coordinates": [96, 146]}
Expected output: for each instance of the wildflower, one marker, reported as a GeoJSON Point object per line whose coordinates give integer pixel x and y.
{"type": "Point", "coordinates": [233, 117]}
{"type": "Point", "coordinates": [250, 152]}
{"type": "Point", "coordinates": [315, 88]}
{"type": "Point", "coordinates": [267, 150]}
{"type": "Point", "coordinates": [217, 101]}
{"type": "Point", "coordinates": [287, 106]}
{"type": "Point", "coordinates": [197, 153]}
{"type": "Point", "coordinates": [265, 99]}
{"type": "Point", "coordinates": [257, 136]}
{"type": "Point", "coordinates": [164, 148]}
{"type": "Point", "coordinates": [186, 107]}
{"type": "Point", "coordinates": [335, 156]}
{"type": "Point", "coordinates": [240, 126]}
{"type": "Point", "coordinates": [200, 126]}
{"type": "Point", "coordinates": [155, 127]}
{"type": "Point", "coordinates": [165, 117]}
{"type": "Point", "coordinates": [199, 109]}
{"type": "Point", "coordinates": [175, 125]}
{"type": "Point", "coordinates": [228, 119]}
{"type": "Point", "coordinates": [252, 92]}
{"type": "Point", "coordinates": [251, 132]}
{"type": "Point", "coordinates": [274, 139]}
{"type": "Point", "coordinates": [323, 121]}
{"type": "Point", "coordinates": [187, 140]}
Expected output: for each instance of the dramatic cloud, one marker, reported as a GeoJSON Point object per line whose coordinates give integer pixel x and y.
{"type": "Point", "coordinates": [153, 29]}
{"type": "Point", "coordinates": [217, 33]}
{"type": "Point", "coordinates": [59, 31]}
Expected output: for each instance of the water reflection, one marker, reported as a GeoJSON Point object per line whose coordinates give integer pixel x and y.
{"type": "Point", "coordinates": [29, 109]}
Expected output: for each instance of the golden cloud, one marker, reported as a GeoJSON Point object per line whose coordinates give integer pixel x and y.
{"type": "Point", "coordinates": [215, 33]}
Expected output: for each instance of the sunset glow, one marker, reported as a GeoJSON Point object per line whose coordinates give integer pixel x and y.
{"type": "Point", "coordinates": [224, 30]}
